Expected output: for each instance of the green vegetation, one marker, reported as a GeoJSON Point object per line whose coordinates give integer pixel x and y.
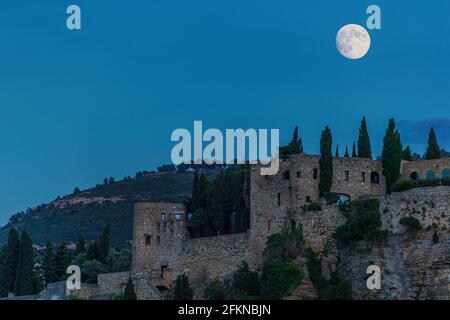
{"type": "Point", "coordinates": [279, 278]}
{"type": "Point", "coordinates": [392, 155]}
{"type": "Point", "coordinates": [331, 197]}
{"type": "Point", "coordinates": [295, 146]}
{"type": "Point", "coordinates": [325, 162]}
{"type": "Point", "coordinates": [183, 290]}
{"type": "Point", "coordinates": [129, 293]}
{"type": "Point", "coordinates": [407, 184]}
{"type": "Point", "coordinates": [285, 245]}
{"type": "Point", "coordinates": [245, 283]}
{"type": "Point", "coordinates": [214, 291]}
{"type": "Point", "coordinates": [333, 289]}
{"type": "Point", "coordinates": [354, 154]}
{"type": "Point", "coordinates": [25, 282]}
{"type": "Point", "coordinates": [433, 150]}
{"type": "Point", "coordinates": [407, 155]}
{"type": "Point", "coordinates": [312, 206]}
{"type": "Point", "coordinates": [220, 206]}
{"type": "Point", "coordinates": [364, 149]}
{"type": "Point", "coordinates": [363, 223]}
{"type": "Point", "coordinates": [413, 225]}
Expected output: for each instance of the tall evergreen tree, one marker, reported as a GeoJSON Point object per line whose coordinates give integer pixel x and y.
{"type": "Point", "coordinates": [81, 245]}
{"type": "Point", "coordinates": [325, 162]}
{"type": "Point", "coordinates": [48, 264]}
{"type": "Point", "coordinates": [104, 244]}
{"type": "Point", "coordinates": [364, 148]}
{"type": "Point", "coordinates": [392, 155]}
{"type": "Point", "coordinates": [296, 145]}
{"type": "Point", "coordinates": [61, 261]}
{"type": "Point", "coordinates": [25, 275]}
{"type": "Point", "coordinates": [407, 155]}
{"type": "Point", "coordinates": [3, 287]}
{"type": "Point", "coordinates": [354, 155]}
{"type": "Point", "coordinates": [346, 154]}
{"type": "Point", "coordinates": [92, 251]}
{"type": "Point", "coordinates": [129, 293]}
{"type": "Point", "coordinates": [12, 259]}
{"type": "Point", "coordinates": [183, 290]}
{"type": "Point", "coordinates": [433, 150]}
{"type": "Point", "coordinates": [196, 193]}
{"type": "Point", "coordinates": [337, 151]}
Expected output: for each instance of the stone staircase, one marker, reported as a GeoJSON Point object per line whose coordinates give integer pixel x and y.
{"type": "Point", "coordinates": [306, 290]}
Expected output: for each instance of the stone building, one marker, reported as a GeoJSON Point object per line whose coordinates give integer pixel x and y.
{"type": "Point", "coordinates": [162, 248]}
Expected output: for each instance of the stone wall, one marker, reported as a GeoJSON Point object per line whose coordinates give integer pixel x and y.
{"type": "Point", "coordinates": [439, 167]}
{"type": "Point", "coordinates": [112, 283]}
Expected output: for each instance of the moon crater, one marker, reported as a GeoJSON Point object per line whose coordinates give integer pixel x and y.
{"type": "Point", "coordinates": [353, 41]}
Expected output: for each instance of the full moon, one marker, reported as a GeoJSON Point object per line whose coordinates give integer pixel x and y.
{"type": "Point", "coordinates": [353, 41]}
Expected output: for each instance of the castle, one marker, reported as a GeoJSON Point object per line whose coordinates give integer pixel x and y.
{"type": "Point", "coordinates": [162, 248]}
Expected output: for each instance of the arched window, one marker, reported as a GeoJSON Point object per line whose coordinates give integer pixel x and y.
{"type": "Point", "coordinates": [430, 175]}
{"type": "Point", "coordinates": [374, 177]}
{"type": "Point", "coordinates": [414, 176]}
{"type": "Point", "coordinates": [446, 174]}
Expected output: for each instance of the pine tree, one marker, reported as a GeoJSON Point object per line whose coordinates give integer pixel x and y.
{"type": "Point", "coordinates": [325, 162]}
{"type": "Point", "coordinates": [48, 264]}
{"type": "Point", "coordinates": [391, 155]}
{"type": "Point", "coordinates": [183, 290]}
{"type": "Point", "coordinates": [407, 155]}
{"type": "Point", "coordinates": [12, 259]}
{"type": "Point", "coordinates": [433, 150]}
{"type": "Point", "coordinates": [364, 148]}
{"type": "Point", "coordinates": [129, 293]}
{"type": "Point", "coordinates": [354, 155]}
{"type": "Point", "coordinates": [81, 245]}
{"type": "Point", "coordinates": [296, 145]}
{"type": "Point", "coordinates": [346, 154]}
{"type": "Point", "coordinates": [3, 288]}
{"type": "Point", "coordinates": [337, 151]}
{"type": "Point", "coordinates": [25, 276]}
{"type": "Point", "coordinates": [103, 245]}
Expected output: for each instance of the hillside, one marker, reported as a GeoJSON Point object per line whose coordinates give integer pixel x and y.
{"type": "Point", "coordinates": [87, 212]}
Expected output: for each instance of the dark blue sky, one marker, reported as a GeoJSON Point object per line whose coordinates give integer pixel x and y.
{"type": "Point", "coordinates": [76, 107]}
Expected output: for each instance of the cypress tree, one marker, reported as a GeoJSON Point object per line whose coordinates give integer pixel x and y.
{"type": "Point", "coordinates": [92, 251]}
{"type": "Point", "coordinates": [346, 154]}
{"type": "Point", "coordinates": [3, 288]}
{"type": "Point", "coordinates": [337, 151]}
{"type": "Point", "coordinates": [183, 290]}
{"type": "Point", "coordinates": [364, 149]}
{"type": "Point", "coordinates": [81, 245]}
{"type": "Point", "coordinates": [25, 276]}
{"type": "Point", "coordinates": [104, 244]}
{"type": "Point", "coordinates": [433, 150]}
{"type": "Point", "coordinates": [391, 155]}
{"type": "Point", "coordinates": [354, 155]}
{"type": "Point", "coordinates": [296, 145]}
{"type": "Point", "coordinates": [407, 155]}
{"type": "Point", "coordinates": [129, 293]}
{"type": "Point", "coordinates": [196, 193]}
{"type": "Point", "coordinates": [12, 259]}
{"type": "Point", "coordinates": [325, 162]}
{"type": "Point", "coordinates": [61, 261]}
{"type": "Point", "coordinates": [48, 264]}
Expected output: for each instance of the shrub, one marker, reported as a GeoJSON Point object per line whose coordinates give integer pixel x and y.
{"type": "Point", "coordinates": [280, 278]}
{"type": "Point", "coordinates": [286, 244]}
{"type": "Point", "coordinates": [245, 283]}
{"type": "Point", "coordinates": [183, 290]}
{"type": "Point", "coordinates": [214, 291]}
{"type": "Point", "coordinates": [412, 224]}
{"type": "Point", "coordinates": [362, 224]}
{"type": "Point", "coordinates": [129, 293]}
{"type": "Point", "coordinates": [429, 183]}
{"type": "Point", "coordinates": [313, 206]}
{"type": "Point", "coordinates": [403, 185]}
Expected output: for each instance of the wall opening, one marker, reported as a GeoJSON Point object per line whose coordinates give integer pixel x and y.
{"type": "Point", "coordinates": [430, 175]}
{"type": "Point", "coordinates": [315, 173]}
{"type": "Point", "coordinates": [279, 199]}
{"type": "Point", "coordinates": [148, 240]}
{"type": "Point", "coordinates": [374, 177]}
{"type": "Point", "coordinates": [286, 175]}
{"type": "Point", "coordinates": [363, 176]}
{"type": "Point", "coordinates": [446, 174]}
{"type": "Point", "coordinates": [299, 174]}
{"type": "Point", "coordinates": [346, 175]}
{"type": "Point", "coordinates": [414, 176]}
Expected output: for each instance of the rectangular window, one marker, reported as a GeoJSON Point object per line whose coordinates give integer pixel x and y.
{"type": "Point", "coordinates": [286, 175]}
{"type": "Point", "coordinates": [363, 176]}
{"type": "Point", "coordinates": [163, 217]}
{"type": "Point", "coordinates": [308, 199]}
{"type": "Point", "coordinates": [279, 198]}
{"type": "Point", "coordinates": [268, 225]}
{"type": "Point", "coordinates": [159, 240]}
{"type": "Point", "coordinates": [299, 174]}
{"type": "Point", "coordinates": [177, 216]}
{"type": "Point", "coordinates": [315, 173]}
{"type": "Point", "coordinates": [148, 240]}
{"type": "Point", "coordinates": [346, 175]}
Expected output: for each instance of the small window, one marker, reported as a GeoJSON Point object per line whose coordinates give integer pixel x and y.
{"type": "Point", "coordinates": [346, 175]}
{"type": "Point", "coordinates": [279, 199]}
{"type": "Point", "coordinates": [177, 216]}
{"type": "Point", "coordinates": [315, 173]}
{"type": "Point", "coordinates": [163, 270]}
{"type": "Point", "coordinates": [299, 174]}
{"type": "Point", "coordinates": [363, 176]}
{"type": "Point", "coordinates": [158, 240]}
{"type": "Point", "coordinates": [148, 240]}
{"type": "Point", "coordinates": [286, 175]}
{"type": "Point", "coordinates": [308, 199]}
{"type": "Point", "coordinates": [163, 217]}
{"type": "Point", "coordinates": [268, 225]}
